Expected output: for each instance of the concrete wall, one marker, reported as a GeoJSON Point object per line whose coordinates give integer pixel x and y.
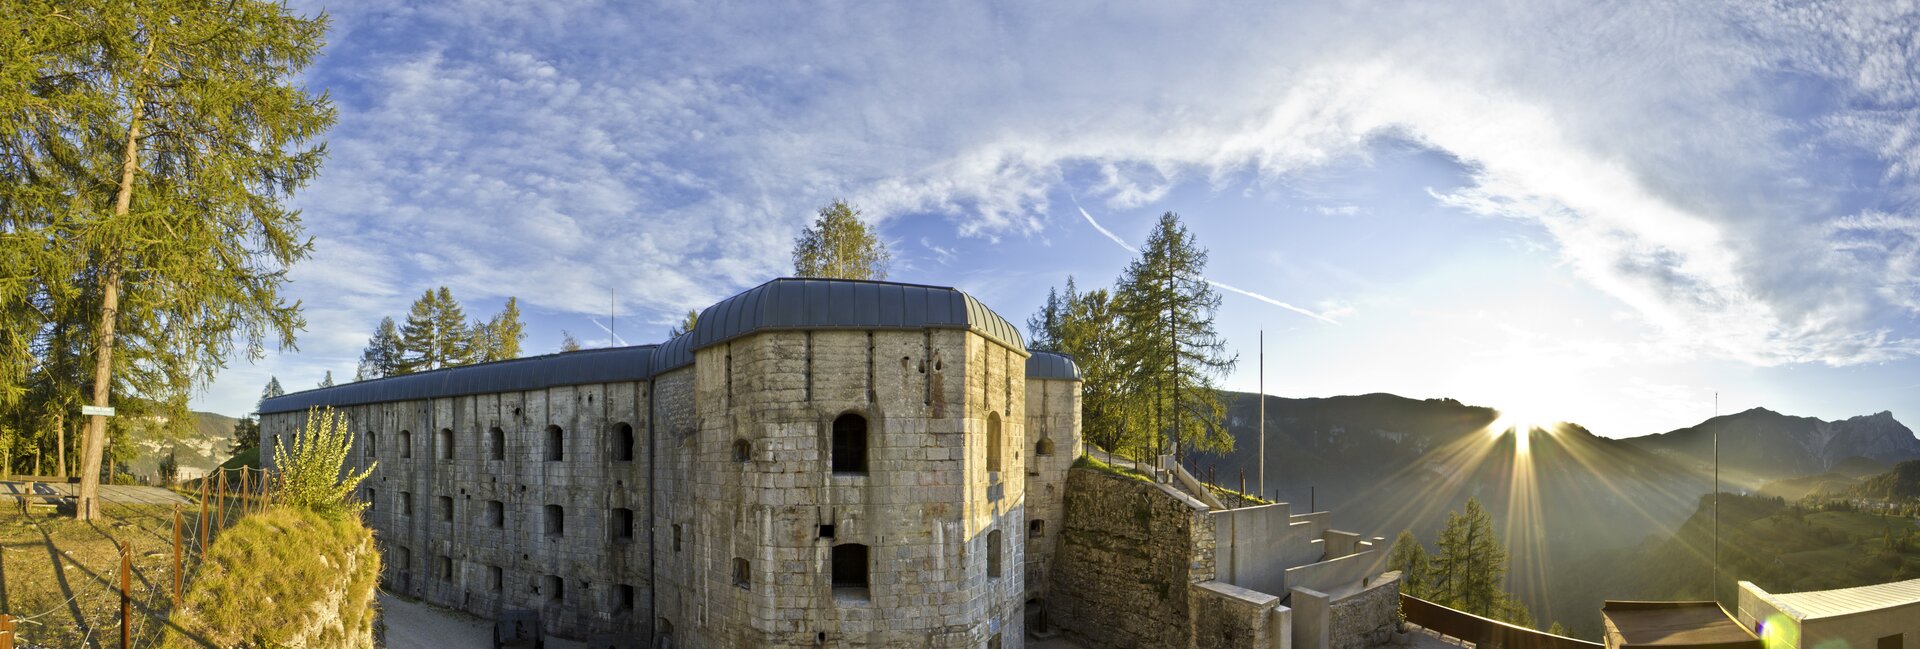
{"type": "Point", "coordinates": [1861, 630]}
{"type": "Point", "coordinates": [1129, 555]}
{"type": "Point", "coordinates": [1258, 544]}
{"type": "Point", "coordinates": [1338, 577]}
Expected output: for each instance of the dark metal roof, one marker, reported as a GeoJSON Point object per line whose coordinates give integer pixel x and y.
{"type": "Point", "coordinates": [532, 373]}
{"type": "Point", "coordinates": [813, 304]}
{"type": "Point", "coordinates": [1052, 366]}
{"type": "Point", "coordinates": [782, 304]}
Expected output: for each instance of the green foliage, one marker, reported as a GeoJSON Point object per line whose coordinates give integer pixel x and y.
{"type": "Point", "coordinates": [1169, 355]}
{"type": "Point", "coordinates": [1557, 629]}
{"type": "Point", "coordinates": [435, 334]}
{"type": "Point", "coordinates": [382, 356]}
{"type": "Point", "coordinates": [840, 246]}
{"type": "Point", "coordinates": [685, 325]}
{"type": "Point", "coordinates": [169, 469]}
{"type": "Point", "coordinates": [568, 343]}
{"type": "Point", "coordinates": [1471, 568]}
{"type": "Point", "coordinates": [498, 339]}
{"type": "Point", "coordinates": [1043, 327]}
{"type": "Point", "coordinates": [1410, 558]}
{"type": "Point", "coordinates": [147, 151]}
{"type": "Point", "coordinates": [274, 578]}
{"type": "Point", "coordinates": [1086, 327]}
{"type": "Point", "coordinates": [272, 390]}
{"type": "Point", "coordinates": [327, 381]}
{"type": "Point", "coordinates": [310, 474]}
{"type": "Point", "coordinates": [1095, 464]}
{"type": "Point", "coordinates": [246, 435]}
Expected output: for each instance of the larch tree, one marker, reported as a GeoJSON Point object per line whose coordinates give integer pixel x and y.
{"type": "Point", "coordinates": [327, 381]}
{"type": "Point", "coordinates": [685, 325]}
{"type": "Point", "coordinates": [568, 343]}
{"type": "Point", "coordinates": [154, 145]}
{"type": "Point", "coordinates": [1410, 558]}
{"type": "Point", "coordinates": [508, 332]}
{"type": "Point", "coordinates": [435, 334]}
{"type": "Point", "coordinates": [1170, 354]}
{"type": "Point", "coordinates": [840, 246]}
{"type": "Point", "coordinates": [1470, 571]}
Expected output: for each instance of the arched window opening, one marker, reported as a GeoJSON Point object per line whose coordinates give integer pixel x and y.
{"type": "Point", "coordinates": [497, 441]}
{"type": "Point", "coordinates": [494, 579]}
{"type": "Point", "coordinates": [556, 444]}
{"type": "Point", "coordinates": [993, 441]}
{"type": "Point", "coordinates": [742, 451]}
{"type": "Point", "coordinates": [994, 551]}
{"type": "Point", "coordinates": [556, 521]}
{"type": "Point", "coordinates": [623, 598]}
{"type": "Point", "coordinates": [373, 444]}
{"type": "Point", "coordinates": [496, 514]}
{"type": "Point", "coordinates": [446, 509]}
{"type": "Point", "coordinates": [446, 443]}
{"type": "Point", "coordinates": [742, 573]}
{"type": "Point", "coordinates": [1036, 529]}
{"type": "Point", "coordinates": [850, 444]}
{"type": "Point", "coordinates": [622, 442]}
{"type": "Point", "coordinates": [622, 525]}
{"type": "Point", "coordinates": [445, 569]}
{"type": "Point", "coordinates": [1044, 447]}
{"type": "Point", "coordinates": [406, 504]}
{"type": "Point", "coordinates": [554, 588]}
{"type": "Point", "coordinates": [849, 570]}
{"type": "Point", "coordinates": [406, 444]}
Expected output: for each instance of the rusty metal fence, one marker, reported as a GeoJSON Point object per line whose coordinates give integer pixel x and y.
{"type": "Point", "coordinates": [1484, 633]}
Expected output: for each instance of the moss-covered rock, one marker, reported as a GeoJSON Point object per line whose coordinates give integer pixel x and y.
{"type": "Point", "coordinates": [283, 578]}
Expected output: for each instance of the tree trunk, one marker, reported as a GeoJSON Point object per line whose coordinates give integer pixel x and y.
{"type": "Point", "coordinates": [60, 436]}
{"type": "Point", "coordinates": [87, 505]}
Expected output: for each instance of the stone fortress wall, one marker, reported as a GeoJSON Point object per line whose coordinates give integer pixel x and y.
{"type": "Point", "coordinates": [783, 476]}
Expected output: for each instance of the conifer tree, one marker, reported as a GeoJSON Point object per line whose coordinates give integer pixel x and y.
{"type": "Point", "coordinates": [840, 246]}
{"type": "Point", "coordinates": [1410, 558]}
{"type": "Point", "coordinates": [327, 381]}
{"type": "Point", "coordinates": [508, 332]}
{"type": "Point", "coordinates": [149, 148]}
{"type": "Point", "coordinates": [1471, 569]}
{"type": "Point", "coordinates": [435, 335]}
{"type": "Point", "coordinates": [1089, 333]}
{"type": "Point", "coordinates": [568, 343]}
{"type": "Point", "coordinates": [272, 390]}
{"type": "Point", "coordinates": [1043, 327]}
{"type": "Point", "coordinates": [382, 357]}
{"type": "Point", "coordinates": [1170, 354]}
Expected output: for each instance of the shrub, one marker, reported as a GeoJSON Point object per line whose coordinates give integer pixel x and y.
{"type": "Point", "coordinates": [310, 475]}
{"type": "Point", "coordinates": [283, 577]}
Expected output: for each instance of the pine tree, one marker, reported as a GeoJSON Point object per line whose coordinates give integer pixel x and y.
{"type": "Point", "coordinates": [246, 435]}
{"type": "Point", "coordinates": [1410, 558]}
{"type": "Point", "coordinates": [1170, 353]}
{"type": "Point", "coordinates": [840, 246]}
{"type": "Point", "coordinates": [568, 343]}
{"type": "Point", "coordinates": [435, 335]}
{"type": "Point", "coordinates": [1043, 327]}
{"type": "Point", "coordinates": [327, 381]}
{"type": "Point", "coordinates": [272, 390]}
{"type": "Point", "coordinates": [150, 148]}
{"type": "Point", "coordinates": [1471, 568]}
{"type": "Point", "coordinates": [383, 355]}
{"type": "Point", "coordinates": [685, 325]}
{"type": "Point", "coordinates": [1088, 332]}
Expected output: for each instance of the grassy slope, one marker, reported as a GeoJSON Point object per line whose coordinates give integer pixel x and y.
{"type": "Point", "coordinates": [50, 559]}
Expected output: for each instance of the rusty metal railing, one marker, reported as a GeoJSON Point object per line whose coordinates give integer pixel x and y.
{"type": "Point", "coordinates": [1484, 633]}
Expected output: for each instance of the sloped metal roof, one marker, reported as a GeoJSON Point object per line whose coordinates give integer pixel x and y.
{"type": "Point", "coordinates": [1050, 366]}
{"type": "Point", "coordinates": [781, 304]}
{"type": "Point", "coordinates": [795, 304]}
{"type": "Point", "coordinates": [608, 365]}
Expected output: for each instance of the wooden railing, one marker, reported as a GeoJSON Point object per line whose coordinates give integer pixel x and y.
{"type": "Point", "coordinates": [1484, 633]}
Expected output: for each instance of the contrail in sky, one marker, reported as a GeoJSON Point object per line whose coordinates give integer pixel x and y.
{"type": "Point", "coordinates": [617, 340]}
{"type": "Point", "coordinates": [1123, 243]}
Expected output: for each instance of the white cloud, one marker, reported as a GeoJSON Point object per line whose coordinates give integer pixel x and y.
{"type": "Point", "coordinates": [671, 151]}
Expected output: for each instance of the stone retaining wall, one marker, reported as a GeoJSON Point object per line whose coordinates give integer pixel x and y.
{"type": "Point", "coordinates": [1365, 618]}
{"type": "Point", "coordinates": [1130, 552]}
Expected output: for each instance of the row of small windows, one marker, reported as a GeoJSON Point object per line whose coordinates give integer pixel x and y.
{"type": "Point", "coordinates": [849, 564]}
{"type": "Point", "coordinates": [555, 448]}
{"type": "Point", "coordinates": [850, 440]}
{"type": "Point", "coordinates": [553, 587]}
{"type": "Point", "coordinates": [619, 523]}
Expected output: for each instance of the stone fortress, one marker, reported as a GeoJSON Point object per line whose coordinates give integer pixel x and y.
{"type": "Point", "coordinates": [821, 463]}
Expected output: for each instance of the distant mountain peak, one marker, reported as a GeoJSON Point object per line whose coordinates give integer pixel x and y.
{"type": "Point", "coordinates": [1777, 445]}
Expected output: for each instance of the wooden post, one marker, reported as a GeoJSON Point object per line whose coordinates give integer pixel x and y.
{"type": "Point", "coordinates": [177, 578]}
{"type": "Point", "coordinates": [246, 496]}
{"type": "Point", "coordinates": [6, 632]}
{"type": "Point", "coordinates": [220, 502]}
{"type": "Point", "coordinates": [203, 516]}
{"type": "Point", "coordinates": [126, 595]}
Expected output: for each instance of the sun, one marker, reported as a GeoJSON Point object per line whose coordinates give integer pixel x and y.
{"type": "Point", "coordinates": [1521, 424]}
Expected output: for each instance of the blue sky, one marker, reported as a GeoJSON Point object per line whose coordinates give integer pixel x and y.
{"type": "Point", "coordinates": [1597, 214]}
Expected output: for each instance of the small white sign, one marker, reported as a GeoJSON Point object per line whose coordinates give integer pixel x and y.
{"type": "Point", "coordinates": [89, 411]}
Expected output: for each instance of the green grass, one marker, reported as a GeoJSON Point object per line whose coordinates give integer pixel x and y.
{"type": "Point", "coordinates": [278, 574]}
{"type": "Point", "coordinates": [1852, 523]}
{"type": "Point", "coordinates": [1093, 463]}
{"type": "Point", "coordinates": [62, 575]}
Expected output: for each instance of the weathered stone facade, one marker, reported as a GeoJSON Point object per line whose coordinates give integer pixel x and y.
{"type": "Point", "coordinates": [707, 500]}
{"type": "Point", "coordinates": [1366, 618]}
{"type": "Point", "coordinates": [1129, 552]}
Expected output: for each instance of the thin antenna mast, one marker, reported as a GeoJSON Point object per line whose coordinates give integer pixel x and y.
{"type": "Point", "coordinates": [1715, 586]}
{"type": "Point", "coordinates": [612, 332]}
{"type": "Point", "coordinates": [1263, 411]}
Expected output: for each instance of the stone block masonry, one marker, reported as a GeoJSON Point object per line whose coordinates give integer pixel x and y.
{"type": "Point", "coordinates": [1130, 552]}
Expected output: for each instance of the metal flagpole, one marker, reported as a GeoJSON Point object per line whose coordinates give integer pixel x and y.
{"type": "Point", "coordinates": [1715, 586]}
{"type": "Point", "coordinates": [1263, 411]}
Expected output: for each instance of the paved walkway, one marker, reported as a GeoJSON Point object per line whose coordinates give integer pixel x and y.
{"type": "Point", "coordinates": [56, 493]}
{"type": "Point", "coordinates": [418, 625]}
